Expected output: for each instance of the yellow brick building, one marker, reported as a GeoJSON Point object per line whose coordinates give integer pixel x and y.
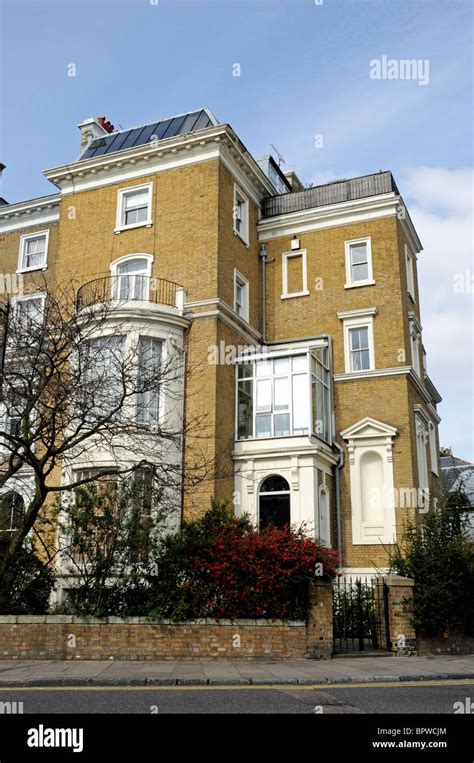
{"type": "Point", "coordinates": [298, 309]}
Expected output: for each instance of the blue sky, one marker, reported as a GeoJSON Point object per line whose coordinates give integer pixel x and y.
{"type": "Point", "coordinates": [304, 71]}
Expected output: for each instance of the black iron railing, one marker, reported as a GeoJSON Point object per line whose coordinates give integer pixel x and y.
{"type": "Point", "coordinates": [330, 193]}
{"type": "Point", "coordinates": [360, 615]}
{"type": "Point", "coordinates": [126, 288]}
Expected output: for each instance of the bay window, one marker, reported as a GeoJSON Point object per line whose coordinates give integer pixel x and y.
{"type": "Point", "coordinates": [103, 382]}
{"type": "Point", "coordinates": [28, 311]}
{"type": "Point", "coordinates": [148, 398]}
{"type": "Point", "coordinates": [284, 395]}
{"type": "Point", "coordinates": [321, 394]}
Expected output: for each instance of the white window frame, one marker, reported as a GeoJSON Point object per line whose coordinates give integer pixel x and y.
{"type": "Point", "coordinates": [240, 280]}
{"type": "Point", "coordinates": [359, 319]}
{"type": "Point", "coordinates": [421, 433]}
{"type": "Point", "coordinates": [158, 401]}
{"type": "Point", "coordinates": [415, 344]}
{"type": "Point", "coordinates": [433, 449]}
{"type": "Point", "coordinates": [409, 263]}
{"type": "Point", "coordinates": [27, 298]}
{"type": "Point", "coordinates": [284, 273]}
{"type": "Point", "coordinates": [323, 490]}
{"type": "Point", "coordinates": [122, 193]}
{"type": "Point", "coordinates": [271, 410]}
{"type": "Point", "coordinates": [243, 233]}
{"type": "Point", "coordinates": [116, 264]}
{"type": "Point", "coordinates": [350, 284]}
{"type": "Point", "coordinates": [23, 240]}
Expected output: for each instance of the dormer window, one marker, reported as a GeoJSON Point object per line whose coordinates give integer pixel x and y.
{"type": "Point", "coordinates": [134, 207]}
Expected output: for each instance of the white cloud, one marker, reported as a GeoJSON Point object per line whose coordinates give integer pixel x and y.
{"type": "Point", "coordinates": [441, 189]}
{"type": "Point", "coordinates": [440, 204]}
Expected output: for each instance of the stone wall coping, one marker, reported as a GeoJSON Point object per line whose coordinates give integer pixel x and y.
{"type": "Point", "coordinates": [398, 580]}
{"type": "Point", "coordinates": [76, 620]}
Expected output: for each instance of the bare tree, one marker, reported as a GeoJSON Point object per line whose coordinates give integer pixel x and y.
{"type": "Point", "coordinates": [79, 383]}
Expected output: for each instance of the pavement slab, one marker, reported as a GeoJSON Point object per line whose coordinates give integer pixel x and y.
{"type": "Point", "coordinates": [256, 672]}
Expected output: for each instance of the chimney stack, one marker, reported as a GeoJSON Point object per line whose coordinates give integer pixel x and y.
{"type": "Point", "coordinates": [92, 128]}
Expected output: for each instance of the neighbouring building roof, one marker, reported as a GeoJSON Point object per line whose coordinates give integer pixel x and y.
{"type": "Point", "coordinates": [138, 136]}
{"type": "Point", "coordinates": [457, 474]}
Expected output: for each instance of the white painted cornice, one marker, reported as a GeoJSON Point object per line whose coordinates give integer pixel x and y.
{"type": "Point", "coordinates": [373, 374]}
{"type": "Point", "coordinates": [222, 311]}
{"type": "Point", "coordinates": [153, 157]}
{"type": "Point", "coordinates": [395, 371]}
{"type": "Point", "coordinates": [266, 449]}
{"type": "Point", "coordinates": [342, 213]}
{"type": "Point", "coordinates": [360, 312]}
{"type": "Point", "coordinates": [25, 214]}
{"type": "Point", "coordinates": [412, 317]}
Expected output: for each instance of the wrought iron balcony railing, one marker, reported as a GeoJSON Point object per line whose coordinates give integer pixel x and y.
{"type": "Point", "coordinates": [130, 287]}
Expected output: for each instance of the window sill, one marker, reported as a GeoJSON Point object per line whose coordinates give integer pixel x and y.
{"type": "Point", "coordinates": [358, 284]}
{"type": "Point", "coordinates": [296, 294]}
{"type": "Point", "coordinates": [32, 270]}
{"type": "Point", "coordinates": [244, 318]}
{"type": "Point", "coordinates": [146, 224]}
{"type": "Point", "coordinates": [242, 238]}
{"type": "Point", "coordinates": [360, 372]}
{"type": "Point", "coordinates": [272, 438]}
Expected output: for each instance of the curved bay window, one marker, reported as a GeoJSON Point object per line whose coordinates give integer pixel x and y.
{"type": "Point", "coordinates": [274, 502]}
{"type": "Point", "coordinates": [12, 513]}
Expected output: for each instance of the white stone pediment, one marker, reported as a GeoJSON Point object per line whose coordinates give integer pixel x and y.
{"type": "Point", "coordinates": [368, 428]}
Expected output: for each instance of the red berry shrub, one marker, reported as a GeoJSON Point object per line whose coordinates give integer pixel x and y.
{"type": "Point", "coordinates": [222, 567]}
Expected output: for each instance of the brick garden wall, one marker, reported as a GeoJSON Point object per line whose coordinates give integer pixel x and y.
{"type": "Point", "coordinates": [57, 637]}
{"type": "Point", "coordinates": [65, 637]}
{"type": "Point", "coordinates": [455, 643]}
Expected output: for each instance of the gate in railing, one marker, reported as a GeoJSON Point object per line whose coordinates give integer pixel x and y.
{"type": "Point", "coordinates": [360, 612]}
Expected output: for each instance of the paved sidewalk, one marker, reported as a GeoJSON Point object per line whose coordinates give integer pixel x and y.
{"type": "Point", "coordinates": [258, 672]}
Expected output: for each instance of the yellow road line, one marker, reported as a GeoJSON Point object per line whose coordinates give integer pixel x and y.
{"type": "Point", "coordinates": [240, 687]}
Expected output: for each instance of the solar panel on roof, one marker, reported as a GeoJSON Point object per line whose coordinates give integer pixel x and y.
{"type": "Point", "coordinates": [139, 136]}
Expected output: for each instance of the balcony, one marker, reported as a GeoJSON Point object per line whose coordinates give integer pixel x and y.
{"type": "Point", "coordinates": [131, 288]}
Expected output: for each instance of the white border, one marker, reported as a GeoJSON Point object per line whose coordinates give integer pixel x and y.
{"type": "Point", "coordinates": [244, 233]}
{"type": "Point", "coordinates": [238, 276]}
{"type": "Point", "coordinates": [121, 194]}
{"type": "Point", "coordinates": [364, 319]}
{"type": "Point", "coordinates": [23, 239]}
{"type": "Point", "coordinates": [284, 273]}
{"type": "Point", "coordinates": [350, 284]}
